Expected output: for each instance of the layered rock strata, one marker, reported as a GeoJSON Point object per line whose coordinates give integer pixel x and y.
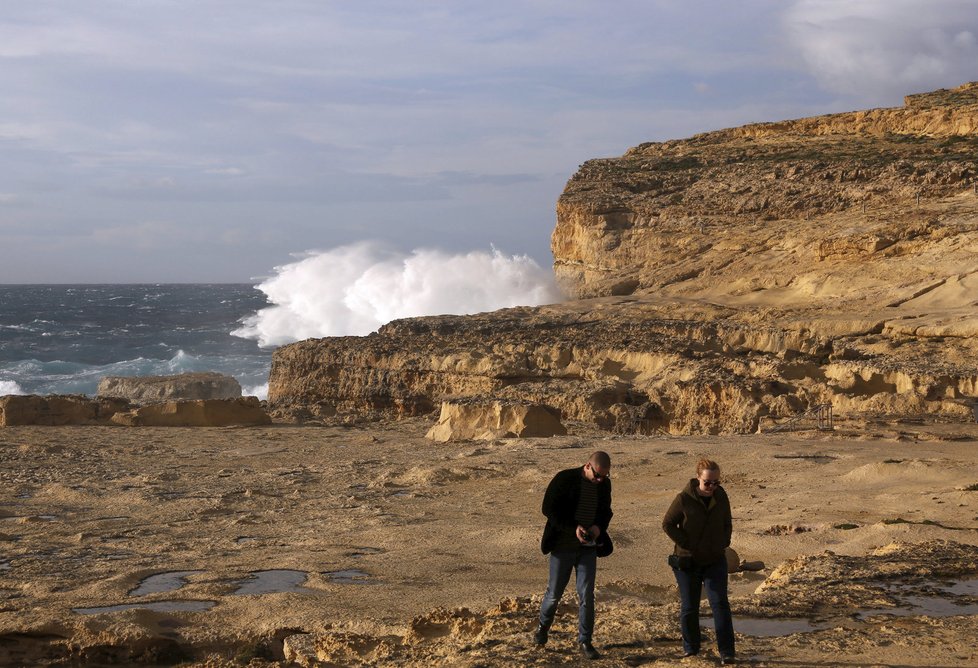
{"type": "Point", "coordinates": [678, 215]}
{"type": "Point", "coordinates": [723, 282]}
{"type": "Point", "coordinates": [625, 365]}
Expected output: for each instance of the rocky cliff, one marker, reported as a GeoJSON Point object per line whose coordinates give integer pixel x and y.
{"type": "Point", "coordinates": [721, 282]}
{"type": "Point", "coordinates": [732, 203]}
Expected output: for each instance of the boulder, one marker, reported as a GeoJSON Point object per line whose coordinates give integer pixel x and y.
{"type": "Point", "coordinates": [58, 409]}
{"type": "Point", "coordinates": [488, 419]}
{"type": "Point", "coordinates": [199, 413]}
{"type": "Point", "coordinates": [151, 389]}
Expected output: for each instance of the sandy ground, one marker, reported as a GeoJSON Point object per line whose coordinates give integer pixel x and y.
{"type": "Point", "coordinates": [86, 513]}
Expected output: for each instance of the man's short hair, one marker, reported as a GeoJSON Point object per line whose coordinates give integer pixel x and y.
{"type": "Point", "coordinates": [601, 458]}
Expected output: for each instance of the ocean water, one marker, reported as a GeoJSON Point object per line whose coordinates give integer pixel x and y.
{"type": "Point", "coordinates": [58, 339]}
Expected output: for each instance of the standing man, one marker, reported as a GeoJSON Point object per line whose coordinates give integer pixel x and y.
{"type": "Point", "coordinates": [578, 509]}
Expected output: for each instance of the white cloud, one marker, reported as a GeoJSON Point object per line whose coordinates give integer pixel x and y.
{"type": "Point", "coordinates": [875, 48]}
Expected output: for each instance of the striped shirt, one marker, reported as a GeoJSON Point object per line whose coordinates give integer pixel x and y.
{"type": "Point", "coordinates": [587, 504]}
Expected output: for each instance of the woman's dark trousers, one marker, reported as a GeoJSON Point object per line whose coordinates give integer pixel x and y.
{"type": "Point", "coordinates": [691, 582]}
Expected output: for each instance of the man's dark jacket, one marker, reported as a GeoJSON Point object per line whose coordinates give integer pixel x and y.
{"type": "Point", "coordinates": [700, 527]}
{"type": "Point", "coordinates": [560, 507]}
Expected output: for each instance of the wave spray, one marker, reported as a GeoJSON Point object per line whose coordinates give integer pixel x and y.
{"type": "Point", "coordinates": [354, 289]}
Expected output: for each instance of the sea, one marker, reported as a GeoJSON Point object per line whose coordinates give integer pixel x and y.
{"type": "Point", "coordinates": [62, 339]}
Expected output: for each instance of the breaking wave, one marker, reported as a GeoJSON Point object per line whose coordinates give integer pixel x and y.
{"type": "Point", "coordinates": [9, 387]}
{"type": "Point", "coordinates": [354, 289]}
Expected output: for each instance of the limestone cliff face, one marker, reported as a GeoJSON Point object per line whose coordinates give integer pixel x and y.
{"type": "Point", "coordinates": [722, 282]}
{"type": "Point", "coordinates": [677, 214]}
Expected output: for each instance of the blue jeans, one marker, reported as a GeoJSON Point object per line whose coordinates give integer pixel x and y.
{"type": "Point", "coordinates": [585, 562]}
{"type": "Point", "coordinates": [691, 582]}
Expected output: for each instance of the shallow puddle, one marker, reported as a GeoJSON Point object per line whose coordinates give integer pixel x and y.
{"type": "Point", "coordinates": [762, 627]}
{"type": "Point", "coordinates": [964, 588]}
{"type": "Point", "coordinates": [273, 582]}
{"type": "Point", "coordinates": [930, 605]}
{"type": "Point", "coordinates": [927, 606]}
{"type": "Point", "coordinates": [348, 576]}
{"type": "Point", "coordinates": [169, 581]}
{"type": "Point", "coordinates": [156, 606]}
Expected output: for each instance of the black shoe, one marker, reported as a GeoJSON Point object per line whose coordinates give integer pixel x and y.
{"type": "Point", "coordinates": [686, 655]}
{"type": "Point", "coordinates": [728, 660]}
{"type": "Point", "coordinates": [540, 637]}
{"type": "Point", "coordinates": [587, 649]}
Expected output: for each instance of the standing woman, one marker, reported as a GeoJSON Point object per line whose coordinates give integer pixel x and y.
{"type": "Point", "coordinates": [699, 523]}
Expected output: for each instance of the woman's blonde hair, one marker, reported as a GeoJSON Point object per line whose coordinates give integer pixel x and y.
{"type": "Point", "coordinates": [706, 465]}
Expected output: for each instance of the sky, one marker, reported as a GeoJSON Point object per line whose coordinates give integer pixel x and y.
{"type": "Point", "coordinates": [213, 140]}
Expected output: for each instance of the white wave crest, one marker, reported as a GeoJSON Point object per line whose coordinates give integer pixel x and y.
{"type": "Point", "coordinates": [260, 391]}
{"type": "Point", "coordinates": [353, 290]}
{"type": "Point", "coordinates": [9, 387]}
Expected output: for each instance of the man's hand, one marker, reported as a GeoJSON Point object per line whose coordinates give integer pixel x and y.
{"type": "Point", "coordinates": [588, 535]}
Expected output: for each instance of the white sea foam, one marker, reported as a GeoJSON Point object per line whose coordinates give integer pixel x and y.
{"type": "Point", "coordinates": [10, 387]}
{"type": "Point", "coordinates": [353, 290]}
{"type": "Point", "coordinates": [260, 391]}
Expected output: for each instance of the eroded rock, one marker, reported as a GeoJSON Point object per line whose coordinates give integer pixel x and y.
{"type": "Point", "coordinates": [488, 419]}
{"type": "Point", "coordinates": [150, 389]}
{"type": "Point", "coordinates": [201, 413]}
{"type": "Point", "coordinates": [58, 409]}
